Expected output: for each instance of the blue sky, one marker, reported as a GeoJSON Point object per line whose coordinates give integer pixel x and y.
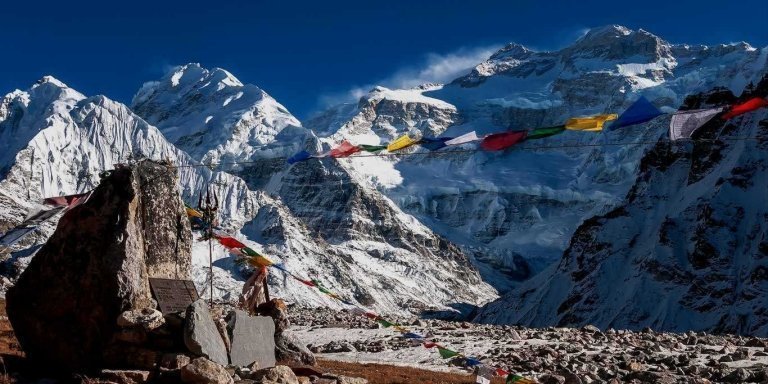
{"type": "Point", "coordinates": [310, 53]}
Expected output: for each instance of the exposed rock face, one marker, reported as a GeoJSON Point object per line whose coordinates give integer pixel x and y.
{"type": "Point", "coordinates": [65, 306]}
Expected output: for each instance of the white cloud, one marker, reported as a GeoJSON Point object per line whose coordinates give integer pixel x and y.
{"type": "Point", "coordinates": [434, 68]}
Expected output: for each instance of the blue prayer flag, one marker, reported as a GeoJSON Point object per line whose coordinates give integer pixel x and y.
{"type": "Point", "coordinates": [434, 143]}
{"type": "Point", "coordinates": [301, 156]}
{"type": "Point", "coordinates": [641, 111]}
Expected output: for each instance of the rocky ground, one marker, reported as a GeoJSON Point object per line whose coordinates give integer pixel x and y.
{"type": "Point", "coordinates": [552, 355]}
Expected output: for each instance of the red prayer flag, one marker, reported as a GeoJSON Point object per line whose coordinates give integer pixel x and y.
{"type": "Point", "coordinates": [747, 106]}
{"type": "Point", "coordinates": [429, 344]}
{"type": "Point", "coordinates": [230, 242]}
{"type": "Point", "coordinates": [504, 140]}
{"type": "Point", "coordinates": [344, 149]}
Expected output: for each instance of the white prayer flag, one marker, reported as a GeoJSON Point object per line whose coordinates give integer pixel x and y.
{"type": "Point", "coordinates": [685, 123]}
{"type": "Point", "coordinates": [465, 138]}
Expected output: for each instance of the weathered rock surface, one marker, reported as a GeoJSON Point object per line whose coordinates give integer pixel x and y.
{"type": "Point", "coordinates": [125, 377]}
{"type": "Point", "coordinates": [147, 318]}
{"type": "Point", "coordinates": [204, 371]}
{"type": "Point", "coordinates": [202, 336]}
{"type": "Point", "coordinates": [96, 265]}
{"type": "Point", "coordinates": [279, 374]}
{"type": "Point", "coordinates": [253, 339]}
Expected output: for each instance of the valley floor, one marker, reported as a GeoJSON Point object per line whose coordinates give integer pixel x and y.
{"type": "Point", "coordinates": [555, 355]}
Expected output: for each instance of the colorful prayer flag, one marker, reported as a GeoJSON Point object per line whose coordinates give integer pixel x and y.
{"type": "Point", "coordinates": [463, 139]}
{"type": "Point", "coordinates": [446, 353]}
{"type": "Point", "coordinates": [589, 123]}
{"type": "Point", "coordinates": [344, 149]}
{"type": "Point", "coordinates": [401, 142]}
{"type": "Point", "coordinates": [501, 141]}
{"type": "Point", "coordinates": [191, 212]}
{"type": "Point", "coordinates": [515, 379]}
{"type": "Point", "coordinates": [684, 123]}
{"type": "Point", "coordinates": [747, 106]}
{"type": "Point", "coordinates": [434, 143]}
{"type": "Point", "coordinates": [69, 201]}
{"type": "Point", "coordinates": [429, 344]}
{"type": "Point", "coordinates": [639, 112]}
{"type": "Point", "coordinates": [384, 323]}
{"type": "Point", "coordinates": [471, 362]}
{"type": "Point", "coordinates": [372, 148]}
{"type": "Point", "coordinates": [301, 156]}
{"type": "Point", "coordinates": [540, 133]}
{"type": "Point", "coordinates": [230, 242]}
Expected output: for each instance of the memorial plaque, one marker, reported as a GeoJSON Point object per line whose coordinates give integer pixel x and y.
{"type": "Point", "coordinates": [173, 295]}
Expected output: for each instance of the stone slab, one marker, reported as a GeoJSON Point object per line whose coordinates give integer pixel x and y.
{"type": "Point", "coordinates": [173, 295]}
{"type": "Point", "coordinates": [201, 336]}
{"type": "Point", "coordinates": [252, 338]}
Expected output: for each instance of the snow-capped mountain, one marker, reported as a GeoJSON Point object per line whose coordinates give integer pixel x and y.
{"type": "Point", "coordinates": [379, 257]}
{"type": "Point", "coordinates": [518, 210]}
{"type": "Point", "coordinates": [686, 250]}
{"type": "Point", "coordinates": [418, 231]}
{"type": "Point", "coordinates": [214, 117]}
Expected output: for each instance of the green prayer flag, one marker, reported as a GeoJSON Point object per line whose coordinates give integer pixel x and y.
{"type": "Point", "coordinates": [446, 353]}
{"type": "Point", "coordinates": [540, 133]}
{"type": "Point", "coordinates": [372, 148]}
{"type": "Point", "coordinates": [384, 323]}
{"type": "Point", "coordinates": [249, 252]}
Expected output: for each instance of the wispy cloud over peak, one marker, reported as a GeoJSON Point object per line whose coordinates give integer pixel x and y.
{"type": "Point", "coordinates": [432, 68]}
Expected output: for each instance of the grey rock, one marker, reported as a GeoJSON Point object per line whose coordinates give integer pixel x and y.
{"type": "Point", "coordinates": [351, 380]}
{"type": "Point", "coordinates": [201, 336]}
{"type": "Point", "coordinates": [125, 376]}
{"type": "Point", "coordinates": [278, 374]}
{"type": "Point", "coordinates": [96, 265]}
{"type": "Point", "coordinates": [204, 371]}
{"type": "Point", "coordinates": [147, 318]}
{"type": "Point", "coordinates": [289, 348]}
{"type": "Point", "coordinates": [252, 338]}
{"type": "Point", "coordinates": [174, 360]}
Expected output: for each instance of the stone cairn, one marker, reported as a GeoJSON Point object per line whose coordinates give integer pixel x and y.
{"type": "Point", "coordinates": [84, 305]}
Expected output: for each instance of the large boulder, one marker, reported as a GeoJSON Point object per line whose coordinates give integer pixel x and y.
{"type": "Point", "coordinates": [65, 305]}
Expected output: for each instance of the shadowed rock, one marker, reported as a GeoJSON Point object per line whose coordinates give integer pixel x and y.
{"type": "Point", "coordinates": [65, 306]}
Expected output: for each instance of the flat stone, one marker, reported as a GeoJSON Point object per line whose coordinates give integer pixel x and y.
{"type": "Point", "coordinates": [201, 336]}
{"type": "Point", "coordinates": [351, 380]}
{"type": "Point", "coordinates": [204, 371]}
{"type": "Point", "coordinates": [252, 338]}
{"type": "Point", "coordinates": [125, 376]}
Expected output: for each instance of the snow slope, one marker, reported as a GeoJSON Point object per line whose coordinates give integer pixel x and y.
{"type": "Point", "coordinates": [686, 250]}
{"type": "Point", "coordinates": [517, 210]}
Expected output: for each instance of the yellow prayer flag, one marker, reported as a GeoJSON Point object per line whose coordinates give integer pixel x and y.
{"type": "Point", "coordinates": [590, 123]}
{"type": "Point", "coordinates": [401, 142]}
{"type": "Point", "coordinates": [191, 212]}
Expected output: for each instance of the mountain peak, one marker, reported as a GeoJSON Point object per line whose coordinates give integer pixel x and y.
{"type": "Point", "coordinates": [51, 80]}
